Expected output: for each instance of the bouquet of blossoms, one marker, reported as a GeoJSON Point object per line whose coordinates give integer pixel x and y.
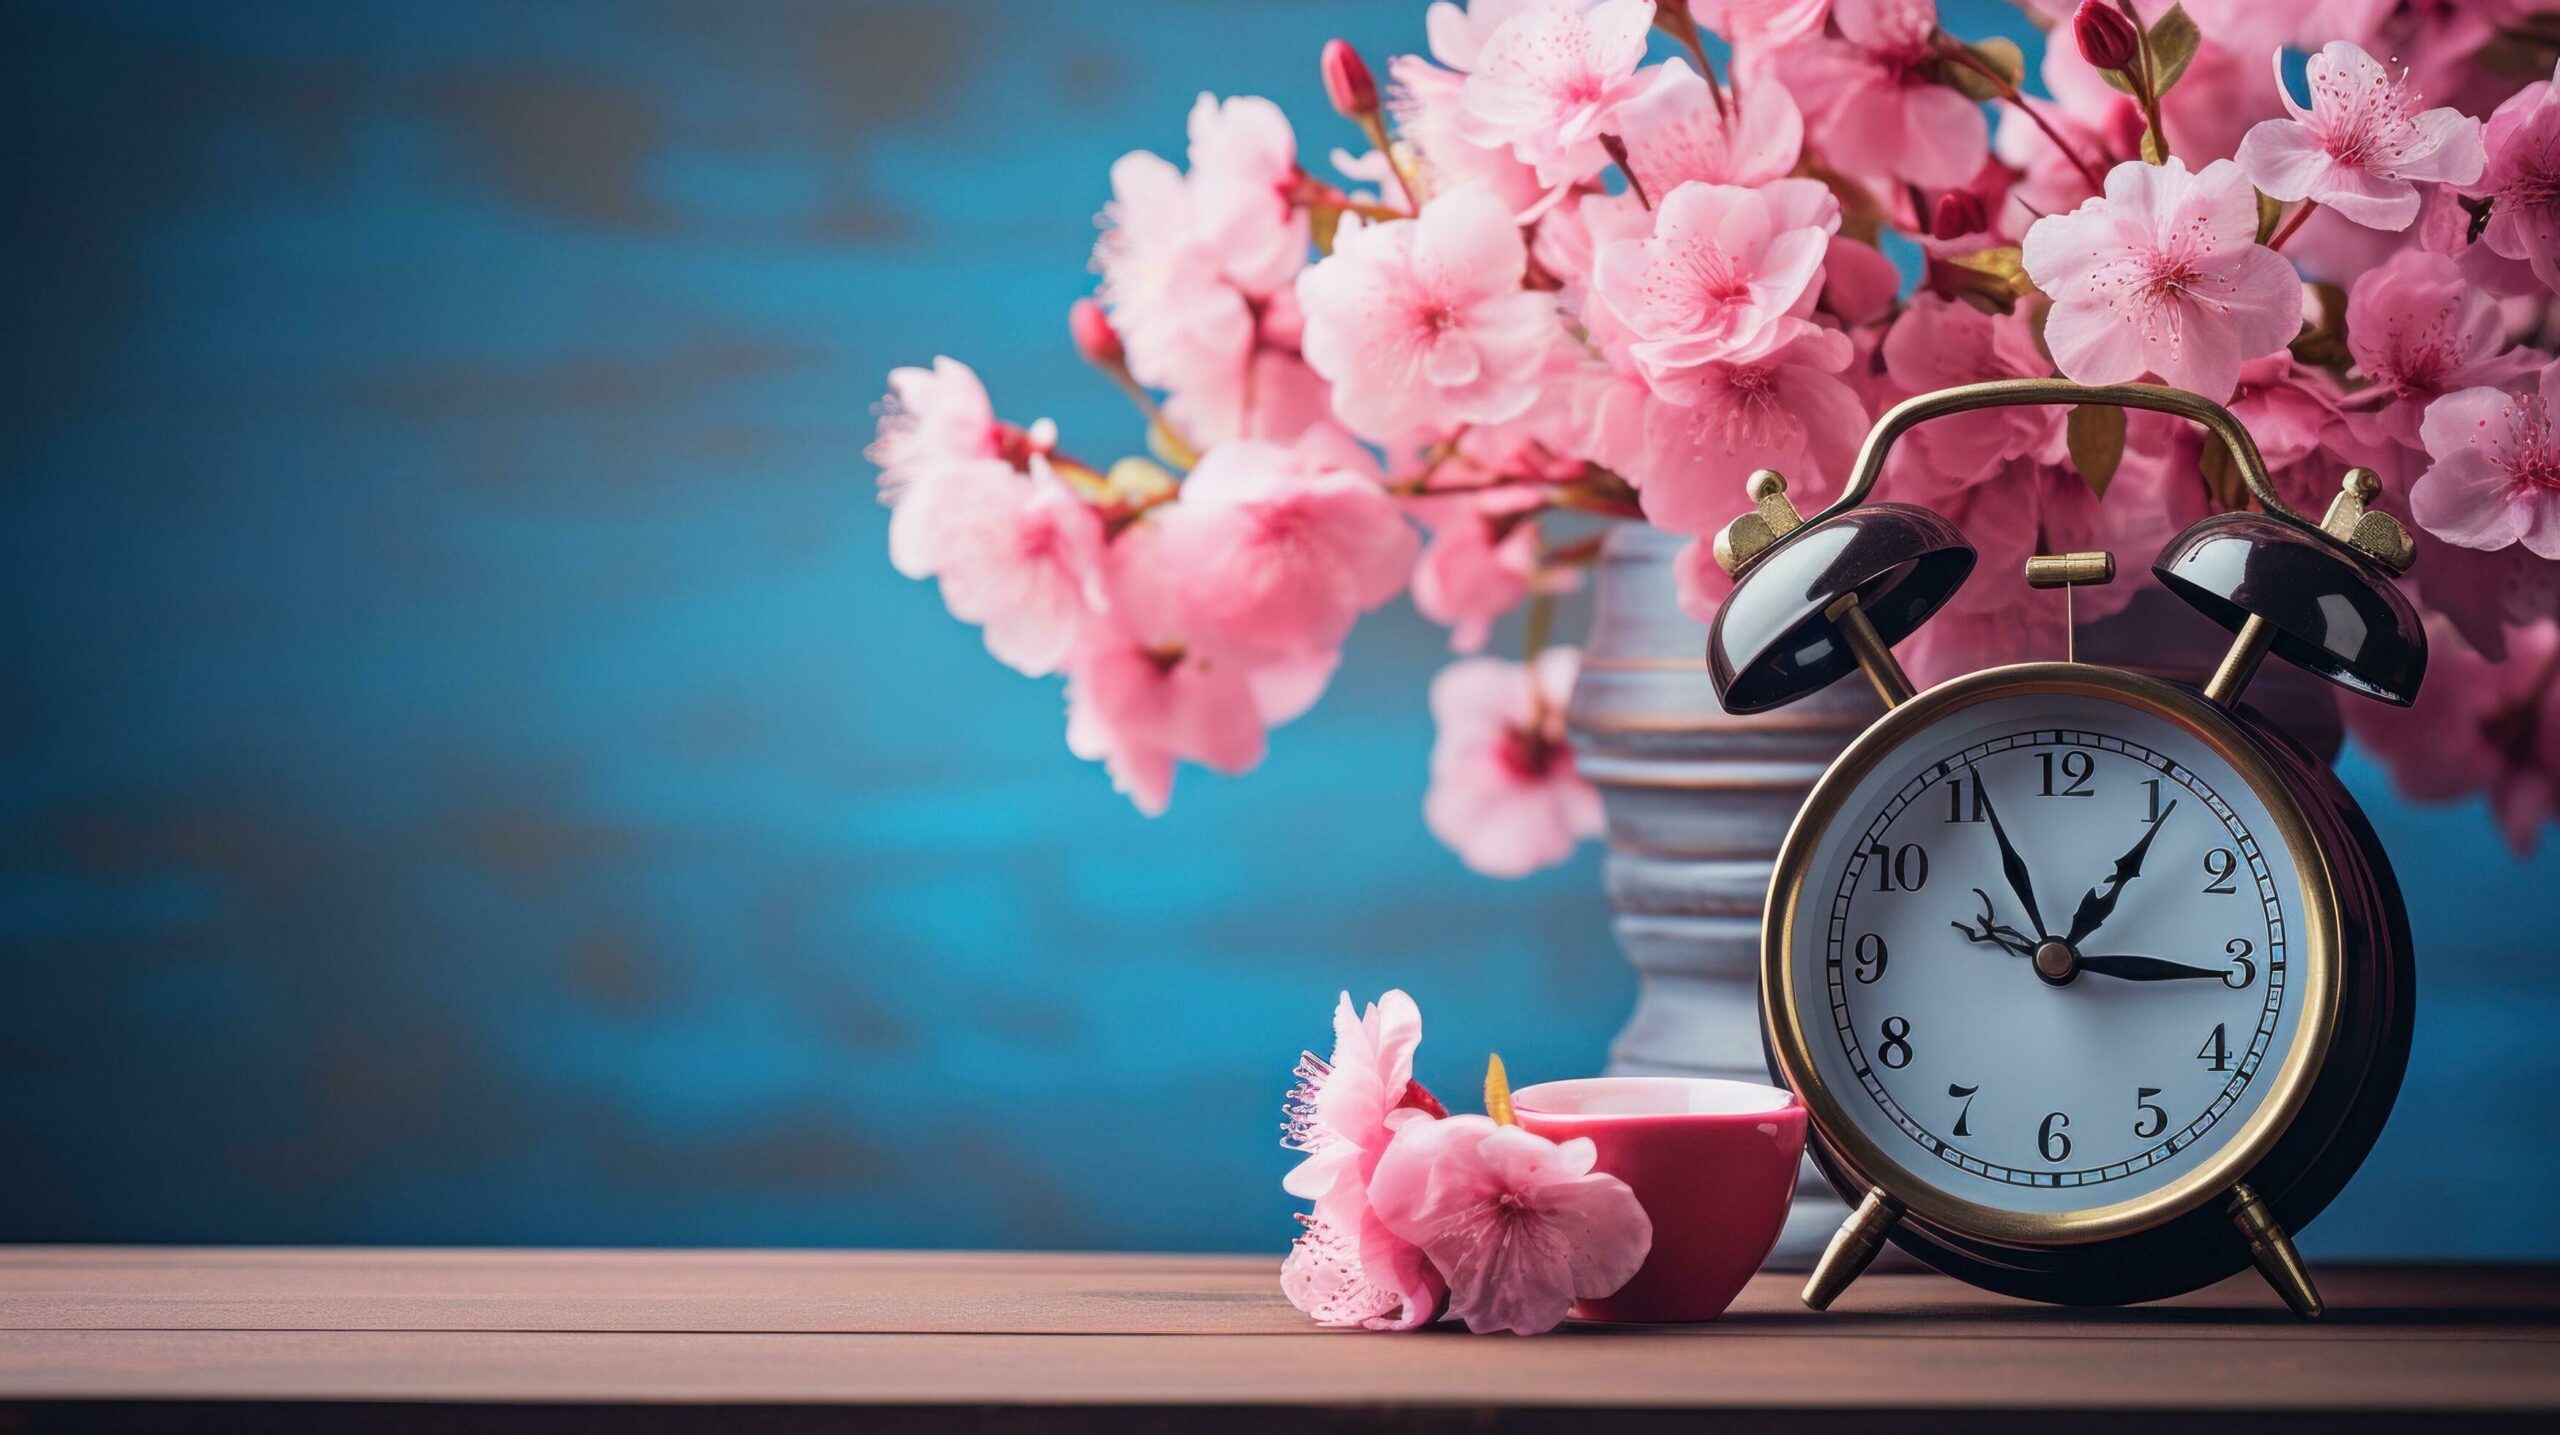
{"type": "Point", "coordinates": [1580, 269]}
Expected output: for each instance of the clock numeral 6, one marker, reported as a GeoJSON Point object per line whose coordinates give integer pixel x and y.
{"type": "Point", "coordinates": [1896, 1051]}
{"type": "Point", "coordinates": [1900, 869]}
{"type": "Point", "coordinates": [2051, 1140]}
{"type": "Point", "coordinates": [1871, 958]}
{"type": "Point", "coordinates": [2243, 971]}
{"type": "Point", "coordinates": [2149, 1117]}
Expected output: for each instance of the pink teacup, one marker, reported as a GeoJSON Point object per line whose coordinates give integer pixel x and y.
{"type": "Point", "coordinates": [1713, 1162]}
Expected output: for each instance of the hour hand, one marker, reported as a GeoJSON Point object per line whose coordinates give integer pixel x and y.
{"type": "Point", "coordinates": [2101, 901]}
{"type": "Point", "coordinates": [2147, 969]}
{"type": "Point", "coordinates": [2009, 939]}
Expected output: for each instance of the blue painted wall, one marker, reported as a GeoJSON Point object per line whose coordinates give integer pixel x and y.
{"type": "Point", "coordinates": [468, 773]}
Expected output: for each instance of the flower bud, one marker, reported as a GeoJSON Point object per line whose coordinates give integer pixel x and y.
{"type": "Point", "coordinates": [1959, 212]}
{"type": "Point", "coordinates": [1096, 340]}
{"type": "Point", "coordinates": [2107, 39]}
{"type": "Point", "coordinates": [1347, 81]}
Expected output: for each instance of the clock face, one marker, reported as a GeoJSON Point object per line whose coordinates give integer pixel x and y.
{"type": "Point", "coordinates": [2047, 955]}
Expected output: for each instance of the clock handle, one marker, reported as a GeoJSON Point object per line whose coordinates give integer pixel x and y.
{"type": "Point", "coordinates": [1852, 1247]}
{"type": "Point", "coordinates": [2273, 1250]}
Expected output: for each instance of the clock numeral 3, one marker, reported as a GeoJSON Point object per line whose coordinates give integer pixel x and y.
{"type": "Point", "coordinates": [1896, 1051]}
{"type": "Point", "coordinates": [2051, 1140]}
{"type": "Point", "coordinates": [2243, 971]}
{"type": "Point", "coordinates": [1900, 869]}
{"type": "Point", "coordinates": [2216, 1050]}
{"type": "Point", "coordinates": [2219, 864]}
{"type": "Point", "coordinates": [2149, 1118]}
{"type": "Point", "coordinates": [2076, 769]}
{"type": "Point", "coordinates": [1965, 1111]}
{"type": "Point", "coordinates": [1871, 958]}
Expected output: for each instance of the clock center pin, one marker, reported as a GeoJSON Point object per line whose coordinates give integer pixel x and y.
{"type": "Point", "coordinates": [2056, 962]}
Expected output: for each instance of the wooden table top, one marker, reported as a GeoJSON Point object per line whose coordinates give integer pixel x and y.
{"type": "Point", "coordinates": [134, 1337]}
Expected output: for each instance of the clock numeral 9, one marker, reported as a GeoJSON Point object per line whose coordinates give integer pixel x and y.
{"type": "Point", "coordinates": [2076, 769]}
{"type": "Point", "coordinates": [2051, 1140]}
{"type": "Point", "coordinates": [1900, 869]}
{"type": "Point", "coordinates": [2149, 1118]}
{"type": "Point", "coordinates": [2243, 971]}
{"type": "Point", "coordinates": [2219, 864]}
{"type": "Point", "coordinates": [1871, 958]}
{"type": "Point", "coordinates": [1896, 1051]}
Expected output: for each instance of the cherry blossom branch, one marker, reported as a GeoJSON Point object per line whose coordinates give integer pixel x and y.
{"type": "Point", "coordinates": [1686, 32]}
{"type": "Point", "coordinates": [2293, 224]}
{"type": "Point", "coordinates": [1617, 149]}
{"type": "Point", "coordinates": [2009, 92]}
{"type": "Point", "coordinates": [1580, 553]}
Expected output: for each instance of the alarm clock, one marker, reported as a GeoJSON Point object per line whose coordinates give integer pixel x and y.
{"type": "Point", "coordinates": [2095, 986]}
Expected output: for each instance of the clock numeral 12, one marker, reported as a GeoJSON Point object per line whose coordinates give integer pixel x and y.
{"type": "Point", "coordinates": [2076, 769]}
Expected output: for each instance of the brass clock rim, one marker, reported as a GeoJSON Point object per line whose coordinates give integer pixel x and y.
{"type": "Point", "coordinates": [2319, 963]}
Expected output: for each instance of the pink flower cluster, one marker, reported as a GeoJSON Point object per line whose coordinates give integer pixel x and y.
{"type": "Point", "coordinates": [1416, 1210]}
{"type": "Point", "coordinates": [1577, 273]}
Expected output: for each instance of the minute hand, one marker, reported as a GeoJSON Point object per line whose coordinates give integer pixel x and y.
{"type": "Point", "coordinates": [2011, 864]}
{"type": "Point", "coordinates": [2101, 900]}
{"type": "Point", "coordinates": [2145, 969]}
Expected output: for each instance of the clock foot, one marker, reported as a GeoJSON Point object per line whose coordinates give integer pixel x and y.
{"type": "Point", "coordinates": [2273, 1250]}
{"type": "Point", "coordinates": [1852, 1247]}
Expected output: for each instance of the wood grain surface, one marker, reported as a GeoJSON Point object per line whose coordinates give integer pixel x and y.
{"type": "Point", "coordinates": [115, 1337]}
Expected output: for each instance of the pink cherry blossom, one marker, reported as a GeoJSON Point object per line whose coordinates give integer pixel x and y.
{"type": "Point", "coordinates": [1939, 343]}
{"type": "Point", "coordinates": [1244, 162]}
{"type": "Point", "coordinates": [1021, 557]}
{"type": "Point", "coordinates": [1521, 1226]}
{"type": "Point", "coordinates": [1721, 267]}
{"type": "Point", "coordinates": [1429, 107]}
{"type": "Point", "coordinates": [2164, 274]}
{"type": "Point", "coordinates": [1504, 793]}
{"type": "Point", "coordinates": [1676, 133]}
{"type": "Point", "coordinates": [1548, 80]}
{"type": "Point", "coordinates": [1421, 325]}
{"type": "Point", "coordinates": [1483, 560]}
{"type": "Point", "coordinates": [1365, 1279]}
{"type": "Point", "coordinates": [932, 422]}
{"type": "Point", "coordinates": [2363, 146]}
{"type": "Point", "coordinates": [1458, 29]}
{"type": "Point", "coordinates": [2478, 727]}
{"type": "Point", "coordinates": [1871, 96]}
{"type": "Point", "coordinates": [2496, 475]}
{"type": "Point", "coordinates": [2420, 331]}
{"type": "Point", "coordinates": [1349, 1268]}
{"type": "Point", "coordinates": [2259, 26]}
{"type": "Point", "coordinates": [1165, 284]}
{"type": "Point", "coordinates": [1759, 29]}
{"type": "Point", "coordinates": [1687, 443]}
{"type": "Point", "coordinates": [2522, 179]}
{"type": "Point", "coordinates": [1278, 549]}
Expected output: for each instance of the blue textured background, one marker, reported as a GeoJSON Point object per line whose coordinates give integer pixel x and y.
{"type": "Point", "coordinates": [471, 775]}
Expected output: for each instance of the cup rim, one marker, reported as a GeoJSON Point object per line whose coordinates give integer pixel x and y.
{"type": "Point", "coordinates": [1770, 1100]}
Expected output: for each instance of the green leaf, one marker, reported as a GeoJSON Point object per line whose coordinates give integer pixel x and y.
{"type": "Point", "coordinates": [2096, 436]}
{"type": "Point", "coordinates": [2173, 44]}
{"type": "Point", "coordinates": [2270, 209]}
{"type": "Point", "coordinates": [1997, 54]}
{"type": "Point", "coordinates": [2117, 80]}
{"type": "Point", "coordinates": [2153, 151]}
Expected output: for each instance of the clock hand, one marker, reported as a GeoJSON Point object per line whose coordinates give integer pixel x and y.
{"type": "Point", "coordinates": [2095, 907]}
{"type": "Point", "coordinates": [2010, 862]}
{"type": "Point", "coordinates": [2008, 939]}
{"type": "Point", "coordinates": [2146, 969]}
